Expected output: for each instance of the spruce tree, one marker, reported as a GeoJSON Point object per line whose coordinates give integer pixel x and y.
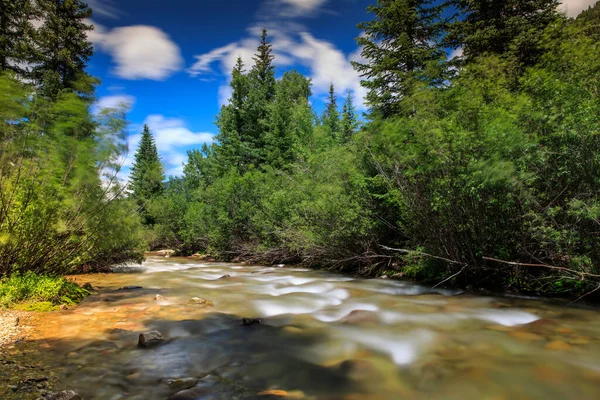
{"type": "Point", "coordinates": [349, 121]}
{"type": "Point", "coordinates": [232, 122]}
{"type": "Point", "coordinates": [16, 34]}
{"type": "Point", "coordinates": [147, 174]}
{"type": "Point", "coordinates": [63, 48]}
{"type": "Point", "coordinates": [401, 47]}
{"type": "Point", "coordinates": [503, 27]}
{"type": "Point", "coordinates": [260, 96]}
{"type": "Point", "coordinates": [331, 115]}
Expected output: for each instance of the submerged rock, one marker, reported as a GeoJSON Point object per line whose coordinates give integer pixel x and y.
{"type": "Point", "coordinates": [150, 339]}
{"type": "Point", "coordinates": [131, 287]}
{"type": "Point", "coordinates": [225, 277]}
{"type": "Point", "coordinates": [202, 302]}
{"type": "Point", "coordinates": [191, 394]}
{"type": "Point", "coordinates": [250, 321]}
{"type": "Point", "coordinates": [64, 395]}
{"type": "Point", "coordinates": [182, 383]}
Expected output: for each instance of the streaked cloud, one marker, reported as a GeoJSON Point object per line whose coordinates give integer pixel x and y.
{"type": "Point", "coordinates": [113, 101]}
{"type": "Point", "coordinates": [292, 45]}
{"type": "Point", "coordinates": [104, 8]}
{"type": "Point", "coordinates": [139, 52]}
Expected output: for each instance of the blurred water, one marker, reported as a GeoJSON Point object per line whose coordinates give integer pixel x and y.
{"type": "Point", "coordinates": [322, 336]}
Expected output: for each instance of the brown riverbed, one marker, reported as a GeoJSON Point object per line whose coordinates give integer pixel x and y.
{"type": "Point", "coordinates": [322, 336]}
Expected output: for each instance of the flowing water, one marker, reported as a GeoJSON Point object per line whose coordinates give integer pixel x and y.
{"type": "Point", "coordinates": [321, 336]}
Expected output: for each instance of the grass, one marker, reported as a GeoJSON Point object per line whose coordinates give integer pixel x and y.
{"type": "Point", "coordinates": [33, 292]}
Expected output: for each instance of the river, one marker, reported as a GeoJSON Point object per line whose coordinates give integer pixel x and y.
{"type": "Point", "coordinates": [321, 336]}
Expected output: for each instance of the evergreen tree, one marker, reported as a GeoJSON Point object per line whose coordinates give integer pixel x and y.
{"type": "Point", "coordinates": [401, 49]}
{"type": "Point", "coordinates": [233, 138]}
{"type": "Point", "coordinates": [349, 121]}
{"type": "Point", "coordinates": [63, 48]}
{"type": "Point", "coordinates": [260, 96]}
{"type": "Point", "coordinates": [16, 34]}
{"type": "Point", "coordinates": [503, 27]}
{"type": "Point", "coordinates": [147, 173]}
{"type": "Point", "coordinates": [290, 120]}
{"type": "Point", "coordinates": [331, 115]}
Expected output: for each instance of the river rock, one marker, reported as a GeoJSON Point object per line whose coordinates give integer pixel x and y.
{"type": "Point", "coordinates": [225, 277]}
{"type": "Point", "coordinates": [150, 339]}
{"type": "Point", "coordinates": [64, 395]}
{"type": "Point", "coordinates": [131, 288]}
{"type": "Point", "coordinates": [191, 394]}
{"type": "Point", "coordinates": [181, 384]}
{"type": "Point", "coordinates": [202, 302]}
{"type": "Point", "coordinates": [88, 286]}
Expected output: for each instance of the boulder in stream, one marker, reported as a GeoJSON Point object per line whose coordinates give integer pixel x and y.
{"type": "Point", "coordinates": [150, 339]}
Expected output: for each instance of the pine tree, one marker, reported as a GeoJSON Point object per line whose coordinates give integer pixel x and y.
{"type": "Point", "coordinates": [16, 34]}
{"type": "Point", "coordinates": [331, 115]}
{"type": "Point", "coordinates": [264, 70]}
{"type": "Point", "coordinates": [260, 96]}
{"type": "Point", "coordinates": [401, 47]}
{"type": "Point", "coordinates": [232, 122]}
{"type": "Point", "coordinates": [147, 174]}
{"type": "Point", "coordinates": [63, 48]}
{"type": "Point", "coordinates": [503, 27]}
{"type": "Point", "coordinates": [349, 121]}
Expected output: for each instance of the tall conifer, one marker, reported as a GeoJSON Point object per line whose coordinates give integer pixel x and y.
{"type": "Point", "coordinates": [401, 48]}
{"type": "Point", "coordinates": [147, 173]}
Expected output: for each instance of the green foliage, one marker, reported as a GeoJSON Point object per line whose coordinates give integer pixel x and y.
{"type": "Point", "coordinates": [402, 50]}
{"type": "Point", "coordinates": [33, 292]}
{"type": "Point", "coordinates": [56, 214]}
{"type": "Point", "coordinates": [147, 174]}
{"type": "Point", "coordinates": [508, 28]}
{"type": "Point", "coordinates": [62, 47]}
{"type": "Point", "coordinates": [488, 176]}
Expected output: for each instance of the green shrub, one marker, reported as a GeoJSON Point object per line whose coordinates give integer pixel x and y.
{"type": "Point", "coordinates": [35, 292]}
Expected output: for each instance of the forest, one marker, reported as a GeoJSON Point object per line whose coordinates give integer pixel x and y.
{"type": "Point", "coordinates": [476, 166]}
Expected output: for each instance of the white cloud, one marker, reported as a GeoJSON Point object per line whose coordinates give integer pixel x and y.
{"type": "Point", "coordinates": [172, 138]}
{"type": "Point", "coordinates": [292, 45]}
{"type": "Point", "coordinates": [573, 7]}
{"type": "Point", "coordinates": [456, 53]}
{"type": "Point", "coordinates": [139, 52]}
{"type": "Point", "coordinates": [113, 101]}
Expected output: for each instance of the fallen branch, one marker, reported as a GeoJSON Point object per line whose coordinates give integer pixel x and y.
{"type": "Point", "coordinates": [582, 296]}
{"type": "Point", "coordinates": [420, 253]}
{"type": "Point", "coordinates": [517, 264]}
{"type": "Point", "coordinates": [447, 279]}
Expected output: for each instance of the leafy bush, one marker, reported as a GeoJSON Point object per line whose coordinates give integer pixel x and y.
{"type": "Point", "coordinates": [34, 292]}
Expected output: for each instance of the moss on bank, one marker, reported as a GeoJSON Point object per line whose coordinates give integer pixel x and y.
{"type": "Point", "coordinates": [33, 292]}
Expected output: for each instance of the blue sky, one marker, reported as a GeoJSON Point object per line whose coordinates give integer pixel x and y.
{"type": "Point", "coordinates": [171, 60]}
